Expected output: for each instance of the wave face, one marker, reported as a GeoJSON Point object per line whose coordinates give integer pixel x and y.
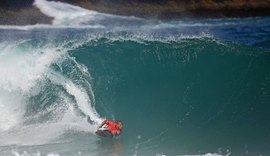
{"type": "Point", "coordinates": [181, 87]}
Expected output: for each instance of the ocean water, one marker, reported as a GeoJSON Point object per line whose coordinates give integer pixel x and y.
{"type": "Point", "coordinates": [181, 87]}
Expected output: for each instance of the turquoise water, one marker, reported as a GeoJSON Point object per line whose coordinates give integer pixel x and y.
{"type": "Point", "coordinates": [181, 87]}
{"type": "Point", "coordinates": [184, 95]}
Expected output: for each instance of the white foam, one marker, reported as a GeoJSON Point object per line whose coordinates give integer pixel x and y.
{"type": "Point", "coordinates": [10, 111]}
{"type": "Point", "coordinates": [82, 100]}
{"type": "Point", "coordinates": [20, 69]}
{"type": "Point", "coordinates": [53, 154]}
{"type": "Point", "coordinates": [48, 26]}
{"type": "Point", "coordinates": [62, 12]}
{"type": "Point", "coordinates": [24, 70]}
{"type": "Point", "coordinates": [25, 153]}
{"type": "Point", "coordinates": [207, 154]}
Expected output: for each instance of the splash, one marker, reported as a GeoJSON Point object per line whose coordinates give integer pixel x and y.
{"type": "Point", "coordinates": [28, 71]}
{"type": "Point", "coordinates": [20, 70]}
{"type": "Point", "coordinates": [62, 12]}
{"type": "Point", "coordinates": [69, 15]}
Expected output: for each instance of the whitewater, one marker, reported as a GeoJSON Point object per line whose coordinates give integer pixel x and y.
{"type": "Point", "coordinates": [181, 86]}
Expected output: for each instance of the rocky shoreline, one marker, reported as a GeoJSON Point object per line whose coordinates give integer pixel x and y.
{"type": "Point", "coordinates": [24, 13]}
{"type": "Point", "coordinates": [168, 9]}
{"type": "Point", "coordinates": [25, 16]}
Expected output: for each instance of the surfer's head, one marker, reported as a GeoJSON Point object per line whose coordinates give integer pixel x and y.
{"type": "Point", "coordinates": [119, 124]}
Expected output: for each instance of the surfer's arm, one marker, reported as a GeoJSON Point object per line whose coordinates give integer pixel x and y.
{"type": "Point", "coordinates": [103, 123]}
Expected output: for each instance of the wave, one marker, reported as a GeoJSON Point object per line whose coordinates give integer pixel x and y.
{"type": "Point", "coordinates": [199, 89]}
{"type": "Point", "coordinates": [46, 88]}
{"type": "Point", "coordinates": [205, 77]}
{"type": "Point", "coordinates": [39, 95]}
{"type": "Point", "coordinates": [66, 14]}
{"type": "Point", "coordinates": [63, 13]}
{"type": "Point", "coordinates": [248, 31]}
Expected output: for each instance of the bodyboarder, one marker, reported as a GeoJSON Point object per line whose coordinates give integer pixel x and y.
{"type": "Point", "coordinates": [108, 128]}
